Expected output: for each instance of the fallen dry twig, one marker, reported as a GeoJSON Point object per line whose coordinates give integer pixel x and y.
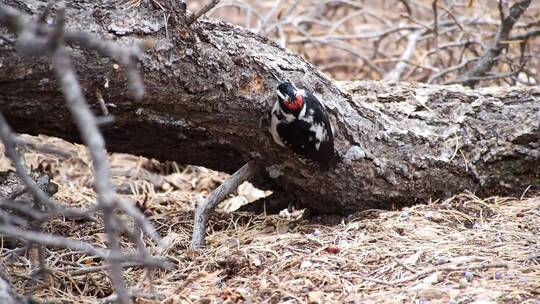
{"type": "Point", "coordinates": [203, 211]}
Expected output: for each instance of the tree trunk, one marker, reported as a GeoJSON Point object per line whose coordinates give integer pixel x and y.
{"type": "Point", "coordinates": [209, 86]}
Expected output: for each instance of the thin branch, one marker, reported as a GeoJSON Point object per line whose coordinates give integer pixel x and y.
{"type": "Point", "coordinates": [526, 36]}
{"type": "Point", "coordinates": [101, 102]}
{"type": "Point", "coordinates": [87, 125]}
{"type": "Point", "coordinates": [488, 59]}
{"type": "Point", "coordinates": [266, 18]}
{"type": "Point", "coordinates": [203, 211]}
{"type": "Point", "coordinates": [76, 245]}
{"type": "Point", "coordinates": [8, 139]}
{"type": "Point", "coordinates": [139, 218]}
{"type": "Point", "coordinates": [395, 74]}
{"type": "Point", "coordinates": [446, 268]}
{"type": "Point", "coordinates": [92, 269]}
{"type": "Point", "coordinates": [484, 78]}
{"type": "Point", "coordinates": [450, 69]}
{"type": "Point", "coordinates": [202, 11]}
{"type": "Point", "coordinates": [281, 21]}
{"type": "Point", "coordinates": [371, 35]}
{"type": "Point", "coordinates": [436, 29]}
{"type": "Point", "coordinates": [406, 5]}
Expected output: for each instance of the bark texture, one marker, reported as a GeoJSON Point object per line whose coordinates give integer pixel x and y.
{"type": "Point", "coordinates": [208, 87]}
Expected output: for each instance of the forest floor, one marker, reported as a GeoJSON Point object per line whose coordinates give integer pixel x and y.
{"type": "Point", "coordinates": [463, 249]}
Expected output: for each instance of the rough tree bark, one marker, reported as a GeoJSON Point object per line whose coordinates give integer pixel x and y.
{"type": "Point", "coordinates": [209, 85]}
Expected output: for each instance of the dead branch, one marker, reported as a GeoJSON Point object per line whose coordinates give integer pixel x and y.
{"type": "Point", "coordinates": [409, 51]}
{"type": "Point", "coordinates": [133, 295]}
{"type": "Point", "coordinates": [84, 247]}
{"type": "Point", "coordinates": [525, 36]}
{"type": "Point", "coordinates": [446, 268]}
{"type": "Point", "coordinates": [320, 34]}
{"type": "Point", "coordinates": [35, 37]}
{"type": "Point", "coordinates": [8, 139]}
{"type": "Point", "coordinates": [489, 58]}
{"type": "Point", "coordinates": [205, 9]}
{"type": "Point", "coordinates": [204, 211]}
{"type": "Point", "coordinates": [91, 136]}
{"type": "Point", "coordinates": [91, 269]}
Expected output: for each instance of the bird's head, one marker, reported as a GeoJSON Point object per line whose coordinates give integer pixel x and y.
{"type": "Point", "coordinates": [290, 97]}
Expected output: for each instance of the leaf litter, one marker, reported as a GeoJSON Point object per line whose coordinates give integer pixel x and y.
{"type": "Point", "coordinates": [464, 249]}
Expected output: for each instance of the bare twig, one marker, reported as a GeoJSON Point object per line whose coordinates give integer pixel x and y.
{"type": "Point", "coordinates": [525, 36]}
{"type": "Point", "coordinates": [132, 294]}
{"type": "Point", "coordinates": [203, 211]}
{"type": "Point", "coordinates": [62, 242]}
{"type": "Point", "coordinates": [280, 22]}
{"type": "Point", "coordinates": [409, 51]}
{"type": "Point", "coordinates": [92, 269]}
{"type": "Point", "coordinates": [267, 17]}
{"type": "Point", "coordinates": [406, 5]}
{"type": "Point", "coordinates": [488, 59]}
{"type": "Point", "coordinates": [483, 78]}
{"type": "Point", "coordinates": [130, 209]}
{"type": "Point", "coordinates": [8, 139]}
{"type": "Point", "coordinates": [450, 69]}
{"type": "Point", "coordinates": [436, 28]}
{"type": "Point", "coordinates": [446, 268]}
{"type": "Point", "coordinates": [91, 136]}
{"type": "Point", "coordinates": [201, 12]}
{"type": "Point", "coordinates": [102, 104]}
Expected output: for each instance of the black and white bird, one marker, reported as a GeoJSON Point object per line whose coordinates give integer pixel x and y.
{"type": "Point", "coordinates": [300, 123]}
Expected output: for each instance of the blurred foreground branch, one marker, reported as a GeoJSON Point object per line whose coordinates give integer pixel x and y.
{"type": "Point", "coordinates": [37, 38]}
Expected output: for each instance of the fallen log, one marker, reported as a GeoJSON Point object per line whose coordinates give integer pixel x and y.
{"type": "Point", "coordinates": [210, 84]}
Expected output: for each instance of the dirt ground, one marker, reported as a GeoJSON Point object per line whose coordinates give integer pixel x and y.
{"type": "Point", "coordinates": [460, 250]}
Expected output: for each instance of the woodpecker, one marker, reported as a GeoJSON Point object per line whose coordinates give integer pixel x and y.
{"type": "Point", "coordinates": [300, 123]}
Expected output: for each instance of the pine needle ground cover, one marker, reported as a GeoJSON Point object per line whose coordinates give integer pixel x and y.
{"type": "Point", "coordinates": [462, 249]}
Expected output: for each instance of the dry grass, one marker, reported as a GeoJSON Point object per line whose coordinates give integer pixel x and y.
{"type": "Point", "coordinates": [464, 249]}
